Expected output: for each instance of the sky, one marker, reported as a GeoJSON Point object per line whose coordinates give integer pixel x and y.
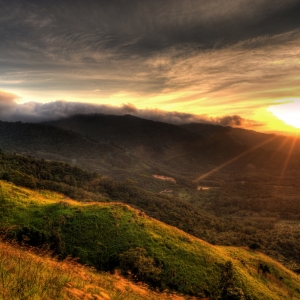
{"type": "Point", "coordinates": [228, 62]}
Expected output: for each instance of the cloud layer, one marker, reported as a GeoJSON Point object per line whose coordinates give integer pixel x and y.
{"type": "Point", "coordinates": [39, 112]}
{"type": "Point", "coordinates": [62, 29]}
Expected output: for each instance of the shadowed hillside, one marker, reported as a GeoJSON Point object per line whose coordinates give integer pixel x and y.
{"type": "Point", "coordinates": [185, 150]}
{"type": "Point", "coordinates": [247, 137]}
{"type": "Point", "coordinates": [126, 147]}
{"type": "Point", "coordinates": [53, 143]}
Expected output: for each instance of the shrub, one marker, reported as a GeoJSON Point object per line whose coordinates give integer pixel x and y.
{"type": "Point", "coordinates": [138, 266]}
{"type": "Point", "coordinates": [228, 290]}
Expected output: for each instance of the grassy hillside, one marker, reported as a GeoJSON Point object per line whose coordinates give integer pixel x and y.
{"type": "Point", "coordinates": [114, 236]}
{"type": "Point", "coordinates": [35, 275]}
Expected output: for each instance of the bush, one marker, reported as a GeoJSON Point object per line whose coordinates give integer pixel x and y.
{"type": "Point", "coordinates": [31, 236]}
{"type": "Point", "coordinates": [235, 294]}
{"type": "Point", "coordinates": [139, 267]}
{"type": "Point", "coordinates": [228, 290]}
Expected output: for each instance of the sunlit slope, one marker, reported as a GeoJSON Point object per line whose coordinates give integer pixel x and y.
{"type": "Point", "coordinates": [98, 233]}
{"type": "Point", "coordinates": [26, 275]}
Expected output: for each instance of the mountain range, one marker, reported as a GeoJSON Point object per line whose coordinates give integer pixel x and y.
{"type": "Point", "coordinates": [109, 144]}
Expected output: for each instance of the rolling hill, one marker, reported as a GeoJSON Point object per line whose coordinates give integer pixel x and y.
{"type": "Point", "coordinates": [251, 201]}
{"type": "Point", "coordinates": [114, 236]}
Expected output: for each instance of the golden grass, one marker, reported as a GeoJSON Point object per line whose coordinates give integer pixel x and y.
{"type": "Point", "coordinates": [279, 284]}
{"type": "Point", "coordinates": [30, 275]}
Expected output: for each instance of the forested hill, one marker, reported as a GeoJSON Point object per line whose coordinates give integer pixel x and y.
{"type": "Point", "coordinates": [190, 148]}
{"type": "Point", "coordinates": [252, 138]}
{"type": "Point", "coordinates": [57, 144]}
{"type": "Point", "coordinates": [127, 146]}
{"type": "Point", "coordinates": [84, 186]}
{"type": "Point", "coordinates": [248, 195]}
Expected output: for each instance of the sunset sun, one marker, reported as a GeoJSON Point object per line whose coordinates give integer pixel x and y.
{"type": "Point", "coordinates": [289, 113]}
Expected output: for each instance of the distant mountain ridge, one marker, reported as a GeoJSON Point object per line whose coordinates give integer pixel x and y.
{"type": "Point", "coordinates": [54, 143]}
{"type": "Point", "coordinates": [127, 131]}
{"type": "Point", "coordinates": [191, 145]}
{"type": "Point", "coordinates": [246, 136]}
{"type": "Point", "coordinates": [126, 146]}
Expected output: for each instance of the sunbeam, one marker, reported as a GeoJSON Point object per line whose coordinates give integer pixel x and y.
{"type": "Point", "coordinates": [287, 160]}
{"type": "Point", "coordinates": [233, 159]}
{"type": "Point", "coordinates": [280, 147]}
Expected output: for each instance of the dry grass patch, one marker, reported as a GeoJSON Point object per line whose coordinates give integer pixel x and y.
{"type": "Point", "coordinates": [31, 274]}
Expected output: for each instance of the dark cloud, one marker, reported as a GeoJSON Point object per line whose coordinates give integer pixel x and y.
{"type": "Point", "coordinates": [60, 29]}
{"type": "Point", "coordinates": [232, 121]}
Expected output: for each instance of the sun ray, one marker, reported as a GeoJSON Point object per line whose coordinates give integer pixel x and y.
{"type": "Point", "coordinates": [280, 147]}
{"type": "Point", "coordinates": [287, 160]}
{"type": "Point", "coordinates": [234, 159]}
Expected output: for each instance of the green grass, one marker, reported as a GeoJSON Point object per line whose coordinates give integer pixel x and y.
{"type": "Point", "coordinates": [97, 233]}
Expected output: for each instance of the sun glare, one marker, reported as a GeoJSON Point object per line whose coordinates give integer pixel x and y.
{"type": "Point", "coordinates": [289, 113]}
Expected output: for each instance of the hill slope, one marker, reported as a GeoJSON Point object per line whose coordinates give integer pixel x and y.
{"type": "Point", "coordinates": [247, 137]}
{"type": "Point", "coordinates": [32, 274]}
{"type": "Point", "coordinates": [130, 147]}
{"type": "Point", "coordinates": [53, 143]}
{"type": "Point", "coordinates": [113, 235]}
